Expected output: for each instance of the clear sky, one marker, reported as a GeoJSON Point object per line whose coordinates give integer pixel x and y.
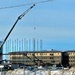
{"type": "Point", "coordinates": [54, 22]}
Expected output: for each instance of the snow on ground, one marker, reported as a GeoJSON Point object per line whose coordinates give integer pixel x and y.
{"type": "Point", "coordinates": [27, 72]}
{"type": "Point", "coordinates": [41, 72]}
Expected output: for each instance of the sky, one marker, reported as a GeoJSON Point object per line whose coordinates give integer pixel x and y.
{"type": "Point", "coordinates": [53, 22]}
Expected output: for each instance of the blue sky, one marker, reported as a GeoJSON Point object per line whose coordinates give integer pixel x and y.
{"type": "Point", "coordinates": [54, 22]}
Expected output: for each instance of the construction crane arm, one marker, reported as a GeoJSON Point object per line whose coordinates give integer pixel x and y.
{"type": "Point", "coordinates": [20, 17]}
{"type": "Point", "coordinates": [23, 14]}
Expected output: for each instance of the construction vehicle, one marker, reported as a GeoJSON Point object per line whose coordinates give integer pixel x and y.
{"type": "Point", "coordinates": [19, 18]}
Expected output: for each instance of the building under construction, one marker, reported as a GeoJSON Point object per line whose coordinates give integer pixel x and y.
{"type": "Point", "coordinates": [36, 57]}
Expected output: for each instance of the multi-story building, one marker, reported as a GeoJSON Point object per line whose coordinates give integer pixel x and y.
{"type": "Point", "coordinates": [37, 57]}
{"type": "Point", "coordinates": [68, 58]}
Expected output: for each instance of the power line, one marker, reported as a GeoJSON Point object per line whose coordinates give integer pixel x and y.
{"type": "Point", "coordinates": [14, 6]}
{"type": "Point", "coordinates": [25, 4]}
{"type": "Point", "coordinates": [43, 1]}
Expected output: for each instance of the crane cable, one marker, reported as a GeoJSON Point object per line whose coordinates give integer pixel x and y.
{"type": "Point", "coordinates": [25, 4]}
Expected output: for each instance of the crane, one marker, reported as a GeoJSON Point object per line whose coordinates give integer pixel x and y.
{"type": "Point", "coordinates": [19, 18]}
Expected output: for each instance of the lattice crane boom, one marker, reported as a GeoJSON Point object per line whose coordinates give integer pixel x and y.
{"type": "Point", "coordinates": [19, 18]}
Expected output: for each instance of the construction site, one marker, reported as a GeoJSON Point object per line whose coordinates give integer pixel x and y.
{"type": "Point", "coordinates": [28, 57]}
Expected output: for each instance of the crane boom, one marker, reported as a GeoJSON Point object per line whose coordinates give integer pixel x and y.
{"type": "Point", "coordinates": [20, 17]}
